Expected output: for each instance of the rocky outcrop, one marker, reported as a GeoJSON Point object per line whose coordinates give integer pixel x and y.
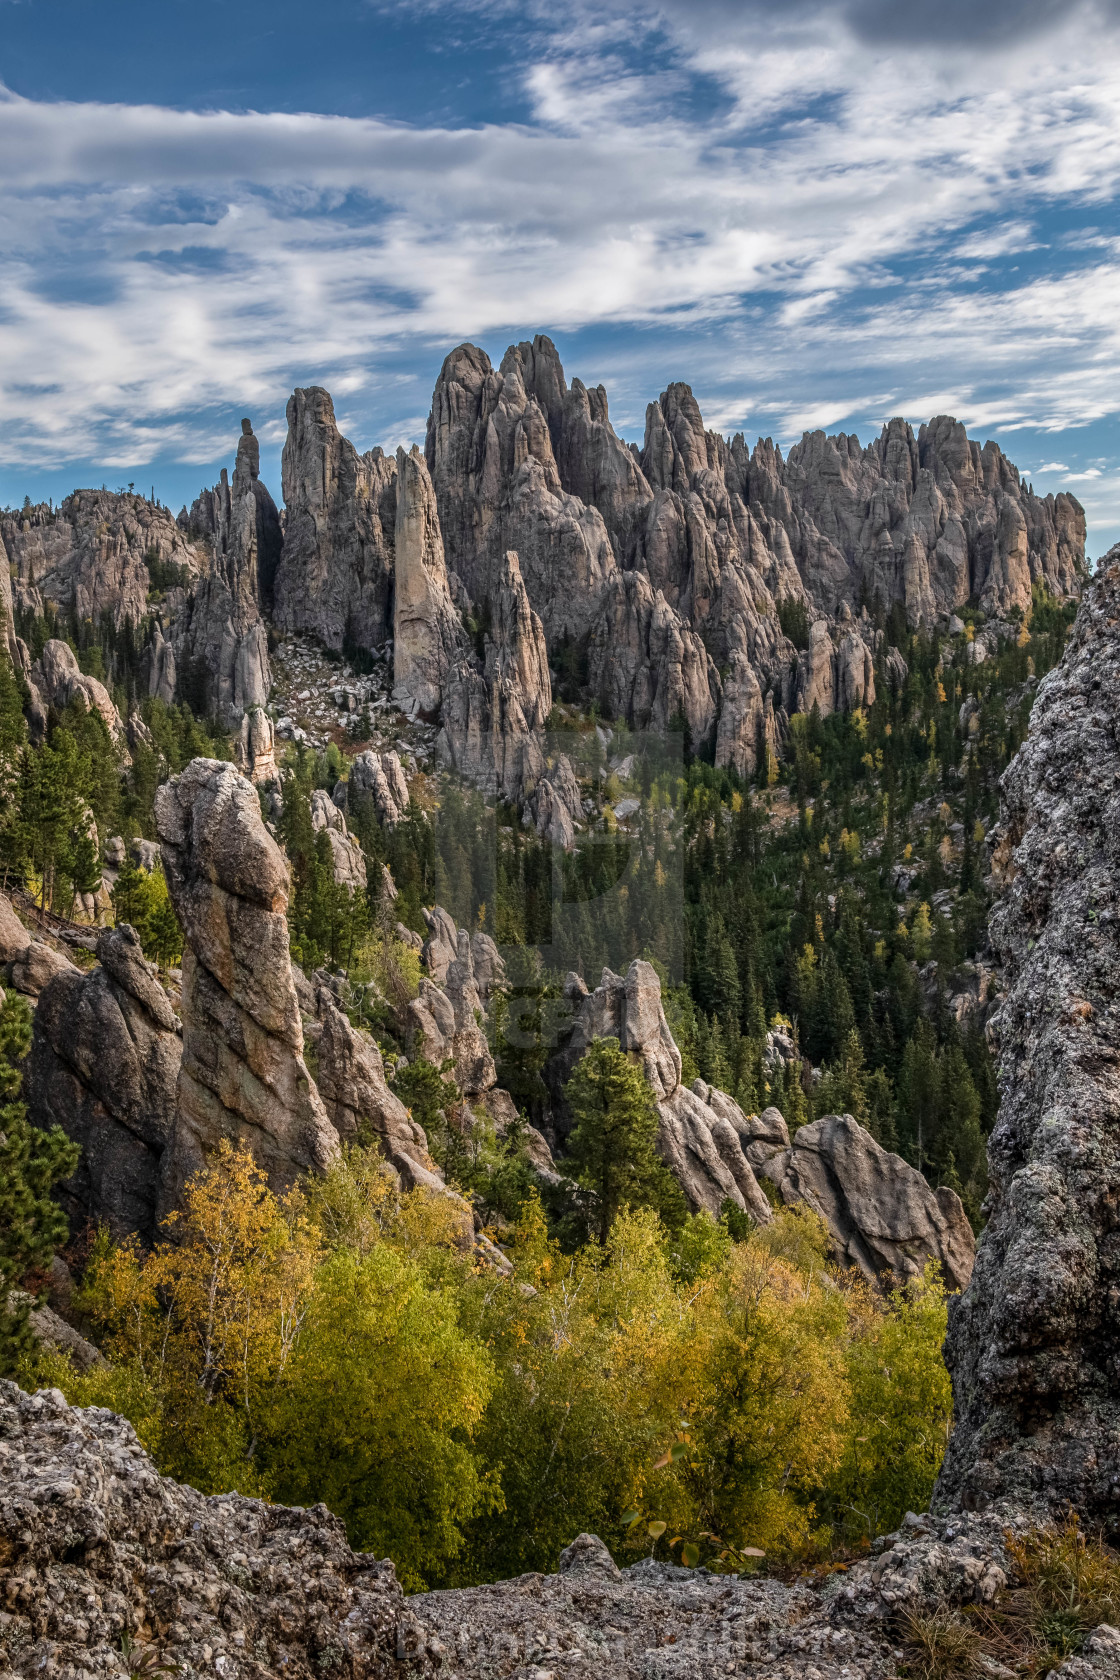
{"type": "Point", "coordinates": [104, 1065]}
{"type": "Point", "coordinates": [348, 865]}
{"type": "Point", "coordinates": [99, 1550]}
{"type": "Point", "coordinates": [494, 712]}
{"type": "Point", "coordinates": [701, 1129]}
{"type": "Point", "coordinates": [243, 1076]}
{"type": "Point", "coordinates": [256, 747]}
{"type": "Point", "coordinates": [380, 778]}
{"type": "Point", "coordinates": [882, 1216]}
{"type": "Point", "coordinates": [1034, 1342]}
{"type": "Point", "coordinates": [29, 964]}
{"type": "Point", "coordinates": [835, 674]}
{"type": "Point", "coordinates": [335, 579]}
{"type": "Point", "coordinates": [498, 487]}
{"type": "Point", "coordinates": [98, 1547]}
{"type": "Point", "coordinates": [427, 633]}
{"type": "Point", "coordinates": [59, 680]}
{"type": "Point", "coordinates": [93, 553]}
{"type": "Point", "coordinates": [352, 1084]}
{"type": "Point", "coordinates": [555, 806]}
{"type": "Point", "coordinates": [446, 1019]}
{"type": "Point", "coordinates": [225, 639]}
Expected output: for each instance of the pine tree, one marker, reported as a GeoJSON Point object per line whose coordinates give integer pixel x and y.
{"type": "Point", "coordinates": [32, 1162]}
{"type": "Point", "coordinates": [611, 1148]}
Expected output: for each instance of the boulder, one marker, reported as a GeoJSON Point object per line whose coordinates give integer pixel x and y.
{"type": "Point", "coordinates": [104, 1065]}
{"type": "Point", "coordinates": [14, 937]}
{"type": "Point", "coordinates": [36, 966]}
{"type": "Point", "coordinates": [243, 1076]}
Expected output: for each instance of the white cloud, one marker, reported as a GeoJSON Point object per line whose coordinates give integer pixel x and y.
{"type": "Point", "coordinates": [810, 217]}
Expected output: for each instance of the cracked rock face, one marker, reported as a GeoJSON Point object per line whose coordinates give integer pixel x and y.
{"type": "Point", "coordinates": [226, 635]}
{"type": "Point", "coordinates": [380, 778]}
{"type": "Point", "coordinates": [335, 578]}
{"type": "Point", "coordinates": [243, 1076]}
{"type": "Point", "coordinates": [104, 1065]}
{"type": "Point", "coordinates": [445, 1019]}
{"type": "Point", "coordinates": [494, 714]}
{"type": "Point", "coordinates": [348, 864]}
{"type": "Point", "coordinates": [1034, 1342]}
{"type": "Point", "coordinates": [95, 1545]}
{"type": "Point", "coordinates": [352, 1084]}
{"type": "Point", "coordinates": [59, 680]}
{"type": "Point", "coordinates": [427, 634]}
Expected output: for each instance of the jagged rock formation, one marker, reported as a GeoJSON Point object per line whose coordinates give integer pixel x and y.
{"type": "Point", "coordinates": [445, 1019]}
{"type": "Point", "coordinates": [335, 579]}
{"type": "Point", "coordinates": [1034, 1343]}
{"type": "Point", "coordinates": [348, 864]}
{"type": "Point", "coordinates": [490, 453]}
{"type": "Point", "coordinates": [95, 1546]}
{"type": "Point", "coordinates": [91, 554]}
{"type": "Point", "coordinates": [352, 1084]}
{"type": "Point", "coordinates": [881, 1214]}
{"type": "Point", "coordinates": [379, 777]}
{"type": "Point", "coordinates": [243, 1075]}
{"type": "Point", "coordinates": [226, 637]}
{"type": "Point", "coordinates": [427, 633]}
{"type": "Point", "coordinates": [666, 563]}
{"type": "Point", "coordinates": [699, 1137]}
{"type": "Point", "coordinates": [104, 1065]}
{"type": "Point", "coordinates": [256, 746]}
{"type": "Point", "coordinates": [493, 717]}
{"type": "Point", "coordinates": [58, 680]}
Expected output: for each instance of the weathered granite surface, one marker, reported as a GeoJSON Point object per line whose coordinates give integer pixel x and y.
{"type": "Point", "coordinates": [243, 1076]}
{"type": "Point", "coordinates": [1034, 1342]}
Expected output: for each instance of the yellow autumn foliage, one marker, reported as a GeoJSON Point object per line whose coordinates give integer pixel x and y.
{"type": "Point", "coordinates": [342, 1343]}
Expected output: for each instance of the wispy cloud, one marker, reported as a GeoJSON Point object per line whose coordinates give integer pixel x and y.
{"type": "Point", "coordinates": [813, 211]}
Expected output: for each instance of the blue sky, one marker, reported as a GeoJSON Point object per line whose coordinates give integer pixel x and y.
{"type": "Point", "coordinates": [819, 214]}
